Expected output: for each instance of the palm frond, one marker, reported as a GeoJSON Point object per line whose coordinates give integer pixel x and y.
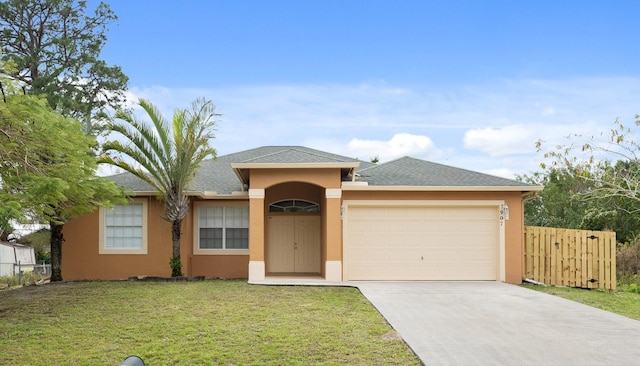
{"type": "Point", "coordinates": [160, 124]}
{"type": "Point", "coordinates": [168, 155]}
{"type": "Point", "coordinates": [147, 136]}
{"type": "Point", "coordinates": [143, 146]}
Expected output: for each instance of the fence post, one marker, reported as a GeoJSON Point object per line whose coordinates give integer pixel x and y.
{"type": "Point", "coordinates": [19, 273]}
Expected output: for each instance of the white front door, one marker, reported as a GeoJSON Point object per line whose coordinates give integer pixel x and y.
{"type": "Point", "coordinates": [293, 244]}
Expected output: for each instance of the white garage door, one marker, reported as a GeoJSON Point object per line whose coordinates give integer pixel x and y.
{"type": "Point", "coordinates": [422, 243]}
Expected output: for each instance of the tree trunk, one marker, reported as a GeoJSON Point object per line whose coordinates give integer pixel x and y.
{"type": "Point", "coordinates": [56, 251]}
{"type": "Point", "coordinates": [176, 264]}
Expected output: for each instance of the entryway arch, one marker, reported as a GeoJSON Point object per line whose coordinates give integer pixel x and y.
{"type": "Point", "coordinates": [293, 229]}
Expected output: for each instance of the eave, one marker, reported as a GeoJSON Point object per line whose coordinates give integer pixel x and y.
{"type": "Point", "coordinates": [205, 194]}
{"type": "Point", "coordinates": [341, 165]}
{"type": "Point", "coordinates": [348, 186]}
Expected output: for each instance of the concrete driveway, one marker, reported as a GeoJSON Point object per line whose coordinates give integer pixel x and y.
{"type": "Point", "coordinates": [492, 323]}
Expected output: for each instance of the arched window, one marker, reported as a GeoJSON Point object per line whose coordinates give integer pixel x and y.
{"type": "Point", "coordinates": [294, 206]}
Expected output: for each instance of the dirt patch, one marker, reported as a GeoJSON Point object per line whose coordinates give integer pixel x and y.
{"type": "Point", "coordinates": [392, 335]}
{"type": "Point", "coordinates": [166, 279]}
{"type": "Point", "coordinates": [32, 291]}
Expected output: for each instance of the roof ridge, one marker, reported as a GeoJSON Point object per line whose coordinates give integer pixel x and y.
{"type": "Point", "coordinates": [319, 153]}
{"type": "Point", "coordinates": [119, 174]}
{"type": "Point", "coordinates": [274, 150]}
{"type": "Point", "coordinates": [388, 162]}
{"type": "Point", "coordinates": [269, 154]}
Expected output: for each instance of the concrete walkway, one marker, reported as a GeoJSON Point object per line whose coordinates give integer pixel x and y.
{"type": "Point", "coordinates": [492, 323]}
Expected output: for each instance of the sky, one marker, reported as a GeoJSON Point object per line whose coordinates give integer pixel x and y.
{"type": "Point", "coordinates": [471, 84]}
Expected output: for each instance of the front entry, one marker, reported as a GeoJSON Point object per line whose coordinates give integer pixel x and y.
{"type": "Point", "coordinates": [293, 244]}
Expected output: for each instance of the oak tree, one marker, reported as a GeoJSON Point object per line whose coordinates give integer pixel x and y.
{"type": "Point", "coordinates": [53, 48]}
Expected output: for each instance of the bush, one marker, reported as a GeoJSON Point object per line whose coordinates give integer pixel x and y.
{"type": "Point", "coordinates": [634, 287]}
{"type": "Point", "coordinates": [628, 265]}
{"type": "Point", "coordinates": [8, 281]}
{"type": "Point", "coordinates": [176, 267]}
{"type": "Point", "coordinates": [628, 261]}
{"type": "Point", "coordinates": [27, 278]}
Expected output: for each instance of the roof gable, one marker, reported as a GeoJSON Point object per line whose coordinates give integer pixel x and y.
{"type": "Point", "coordinates": [287, 155]}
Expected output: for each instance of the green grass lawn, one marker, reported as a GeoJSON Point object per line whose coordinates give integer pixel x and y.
{"type": "Point", "coordinates": [623, 303]}
{"type": "Point", "coordinates": [194, 323]}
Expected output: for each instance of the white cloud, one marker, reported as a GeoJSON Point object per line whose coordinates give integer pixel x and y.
{"type": "Point", "coordinates": [508, 140]}
{"type": "Point", "coordinates": [401, 144]}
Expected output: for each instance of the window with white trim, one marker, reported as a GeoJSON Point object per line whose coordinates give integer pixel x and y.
{"type": "Point", "coordinates": [223, 227]}
{"type": "Point", "coordinates": [123, 228]}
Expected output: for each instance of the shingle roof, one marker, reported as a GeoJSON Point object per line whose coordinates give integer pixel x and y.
{"type": "Point", "coordinates": [131, 182]}
{"type": "Point", "coordinates": [409, 171]}
{"type": "Point", "coordinates": [218, 175]}
{"type": "Point", "coordinates": [292, 154]}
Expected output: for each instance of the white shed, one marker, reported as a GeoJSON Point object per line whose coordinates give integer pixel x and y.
{"type": "Point", "coordinates": [15, 257]}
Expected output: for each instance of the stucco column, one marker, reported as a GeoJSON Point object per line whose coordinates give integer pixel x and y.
{"type": "Point", "coordinates": [333, 235]}
{"type": "Point", "coordinates": [256, 234]}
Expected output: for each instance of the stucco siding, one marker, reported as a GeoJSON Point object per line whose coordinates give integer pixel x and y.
{"type": "Point", "coordinates": [293, 190]}
{"type": "Point", "coordinates": [220, 266]}
{"type": "Point", "coordinates": [264, 178]}
{"type": "Point", "coordinates": [81, 260]}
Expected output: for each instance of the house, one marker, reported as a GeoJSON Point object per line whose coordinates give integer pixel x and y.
{"type": "Point", "coordinates": [296, 211]}
{"type": "Point", "coordinates": [15, 258]}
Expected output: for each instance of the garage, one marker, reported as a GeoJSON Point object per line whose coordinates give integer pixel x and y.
{"type": "Point", "coordinates": [433, 241]}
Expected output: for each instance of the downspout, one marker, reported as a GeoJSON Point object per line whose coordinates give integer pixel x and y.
{"type": "Point", "coordinates": [529, 196]}
{"type": "Point", "coordinates": [525, 197]}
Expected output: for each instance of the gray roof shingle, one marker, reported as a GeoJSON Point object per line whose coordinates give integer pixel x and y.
{"type": "Point", "coordinates": [288, 154]}
{"type": "Point", "coordinates": [217, 174]}
{"type": "Point", "coordinates": [409, 171]}
{"type": "Point", "coordinates": [131, 182]}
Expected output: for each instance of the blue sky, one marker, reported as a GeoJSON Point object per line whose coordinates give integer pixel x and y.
{"type": "Point", "coordinates": [472, 84]}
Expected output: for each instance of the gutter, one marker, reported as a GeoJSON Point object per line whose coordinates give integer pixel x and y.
{"type": "Point", "coordinates": [528, 196]}
{"type": "Point", "coordinates": [363, 186]}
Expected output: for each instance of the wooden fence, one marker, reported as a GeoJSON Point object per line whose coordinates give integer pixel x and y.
{"type": "Point", "coordinates": [572, 258]}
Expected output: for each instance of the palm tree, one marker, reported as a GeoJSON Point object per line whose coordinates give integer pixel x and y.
{"type": "Point", "coordinates": [165, 155]}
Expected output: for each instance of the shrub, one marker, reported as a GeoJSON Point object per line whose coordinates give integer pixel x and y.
{"type": "Point", "coordinates": [628, 261]}
{"type": "Point", "coordinates": [27, 278]}
{"type": "Point", "coordinates": [634, 287]}
{"type": "Point", "coordinates": [628, 265]}
{"type": "Point", "coordinates": [8, 281]}
{"type": "Point", "coordinates": [176, 267]}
